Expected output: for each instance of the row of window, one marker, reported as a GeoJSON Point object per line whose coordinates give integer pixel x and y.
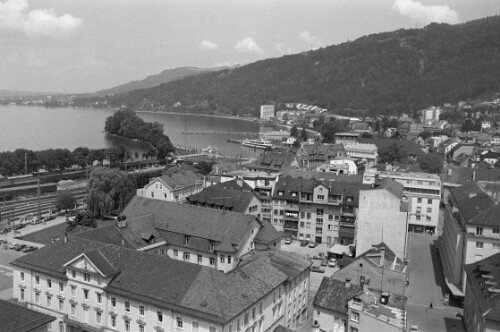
{"type": "Point", "coordinates": [479, 230]}
{"type": "Point", "coordinates": [319, 223]}
{"type": "Point", "coordinates": [199, 258]}
{"type": "Point", "coordinates": [480, 245]}
{"type": "Point", "coordinates": [86, 278]}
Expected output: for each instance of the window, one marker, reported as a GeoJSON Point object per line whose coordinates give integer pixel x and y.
{"type": "Point", "coordinates": [419, 209]}
{"type": "Point", "coordinates": [330, 228]}
{"type": "Point", "coordinates": [186, 240]}
{"type": "Point", "coordinates": [73, 309]}
{"type": "Point", "coordinates": [99, 297]}
{"type": "Point", "coordinates": [417, 217]}
{"type": "Point", "coordinates": [200, 259]}
{"type": "Point", "coordinates": [159, 316]}
{"type": "Point", "coordinates": [355, 317]}
{"type": "Point", "coordinates": [98, 318]}
{"type": "Point", "coordinates": [212, 245]}
{"type": "Point", "coordinates": [429, 210]}
{"type": "Point", "coordinates": [113, 302]}
{"type": "Point", "coordinates": [127, 305]}
{"type": "Point", "coordinates": [428, 218]}
{"type": "Point", "coordinates": [330, 217]}
{"type": "Point", "coordinates": [187, 256]}
{"type": "Point", "coordinates": [479, 231]}
{"type": "Point", "coordinates": [321, 197]}
{"type": "Point", "coordinates": [302, 214]}
{"type": "Point", "coordinates": [275, 212]}
{"type": "Point", "coordinates": [86, 315]}
{"type": "Point", "coordinates": [37, 298]}
{"type": "Point", "coordinates": [141, 310]}
{"type": "Point", "coordinates": [61, 287]}
{"type": "Point", "coordinates": [113, 321]}
{"type": "Point", "coordinates": [73, 273]}
{"type": "Point", "coordinates": [496, 230]}
{"type": "Point", "coordinates": [22, 295]}
{"type": "Point", "coordinates": [222, 258]}
{"type": "Point", "coordinates": [61, 305]}
{"type": "Point", "coordinates": [419, 200]}
{"type": "Point", "coordinates": [176, 252]}
{"type": "Point", "coordinates": [212, 261]}
{"type": "Point", "coordinates": [301, 224]}
{"type": "Point", "coordinates": [22, 276]}
{"type": "Point", "coordinates": [245, 319]}
{"type": "Point", "coordinates": [319, 212]}
{"type": "Point", "coordinates": [496, 246]}
{"type": "Point", "coordinates": [253, 313]}
{"type": "Point", "coordinates": [61, 327]}
{"type": "Point", "coordinates": [37, 280]}
{"type": "Point", "coordinates": [86, 277]}
{"type": "Point", "coordinates": [229, 259]}
{"type": "Point", "coordinates": [73, 290]}
{"type": "Point", "coordinates": [141, 328]}
{"type": "Point", "coordinates": [308, 225]}
{"type": "Point", "coordinates": [152, 194]}
{"type": "Point", "coordinates": [85, 294]}
{"type": "Point", "coordinates": [127, 326]}
{"type": "Point", "coordinates": [308, 215]}
{"type": "Point", "coordinates": [179, 322]}
{"type": "Point", "coordinates": [479, 245]}
{"type": "Point", "coordinates": [49, 302]}
{"type": "Point", "coordinates": [196, 326]}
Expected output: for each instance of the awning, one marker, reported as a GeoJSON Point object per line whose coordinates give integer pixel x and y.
{"type": "Point", "coordinates": [340, 249]}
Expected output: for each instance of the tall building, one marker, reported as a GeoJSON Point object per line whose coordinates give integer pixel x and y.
{"type": "Point", "coordinates": [423, 192]}
{"type": "Point", "coordinates": [94, 286]}
{"type": "Point", "coordinates": [431, 114]}
{"type": "Point", "coordinates": [266, 112]}
{"type": "Point", "coordinates": [471, 233]}
{"type": "Point", "coordinates": [382, 217]}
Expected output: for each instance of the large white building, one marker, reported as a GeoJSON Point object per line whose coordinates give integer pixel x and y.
{"type": "Point", "coordinates": [363, 152]}
{"type": "Point", "coordinates": [266, 112]}
{"type": "Point", "coordinates": [95, 286]}
{"type": "Point", "coordinates": [174, 187]}
{"type": "Point", "coordinates": [423, 192]}
{"type": "Point", "coordinates": [431, 114]}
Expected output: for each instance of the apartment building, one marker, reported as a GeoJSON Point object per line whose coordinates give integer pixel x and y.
{"type": "Point", "coordinates": [365, 152]}
{"type": "Point", "coordinates": [312, 155]}
{"type": "Point", "coordinates": [315, 210]}
{"type": "Point", "coordinates": [471, 233]}
{"type": "Point", "coordinates": [339, 166]}
{"type": "Point", "coordinates": [423, 192]}
{"type": "Point", "coordinates": [266, 112]}
{"type": "Point", "coordinates": [346, 138]}
{"type": "Point", "coordinates": [173, 187]}
{"type": "Point", "coordinates": [94, 286]}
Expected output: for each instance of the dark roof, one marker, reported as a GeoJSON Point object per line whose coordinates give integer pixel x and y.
{"type": "Point", "coordinates": [334, 295]}
{"type": "Point", "coordinates": [457, 175]}
{"type": "Point", "coordinates": [226, 195]}
{"type": "Point", "coordinates": [392, 186]}
{"type": "Point", "coordinates": [267, 234]}
{"type": "Point", "coordinates": [408, 146]}
{"type": "Point", "coordinates": [291, 266]}
{"type": "Point", "coordinates": [175, 284]}
{"type": "Point", "coordinates": [181, 167]}
{"type": "Point", "coordinates": [18, 318]}
{"type": "Point", "coordinates": [323, 176]}
{"type": "Point", "coordinates": [487, 174]}
{"type": "Point", "coordinates": [109, 234]}
{"type": "Point", "coordinates": [483, 278]}
{"type": "Point", "coordinates": [391, 260]}
{"type": "Point", "coordinates": [274, 161]}
{"type": "Point", "coordinates": [476, 206]}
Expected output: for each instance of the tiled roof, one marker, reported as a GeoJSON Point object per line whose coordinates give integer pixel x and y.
{"type": "Point", "coordinates": [322, 176]}
{"type": "Point", "coordinates": [391, 261]}
{"type": "Point", "coordinates": [290, 266]}
{"type": "Point", "coordinates": [180, 180]}
{"type": "Point", "coordinates": [177, 285]}
{"type": "Point", "coordinates": [407, 146]}
{"type": "Point", "coordinates": [274, 161]}
{"type": "Point", "coordinates": [267, 234]}
{"type": "Point", "coordinates": [205, 223]}
{"type": "Point", "coordinates": [334, 294]}
{"type": "Point", "coordinates": [108, 234]}
{"type": "Point", "coordinates": [489, 174]}
{"type": "Point", "coordinates": [228, 195]}
{"type": "Point", "coordinates": [18, 318]}
{"type": "Point", "coordinates": [484, 279]}
{"type": "Point", "coordinates": [476, 206]}
{"type": "Point", "coordinates": [392, 186]}
{"type": "Point", "coordinates": [459, 175]}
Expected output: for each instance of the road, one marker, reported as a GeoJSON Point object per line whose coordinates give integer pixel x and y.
{"type": "Point", "coordinates": [427, 286]}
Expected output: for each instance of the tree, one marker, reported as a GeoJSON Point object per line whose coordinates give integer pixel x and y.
{"type": "Point", "coordinates": [303, 135]}
{"type": "Point", "coordinates": [294, 132]}
{"type": "Point", "coordinates": [108, 190]}
{"type": "Point", "coordinates": [467, 125]}
{"type": "Point", "coordinates": [425, 135]}
{"type": "Point", "coordinates": [82, 218]}
{"type": "Point", "coordinates": [431, 163]}
{"type": "Point", "coordinates": [366, 135]}
{"type": "Point", "coordinates": [392, 153]}
{"type": "Point", "coordinates": [66, 200]}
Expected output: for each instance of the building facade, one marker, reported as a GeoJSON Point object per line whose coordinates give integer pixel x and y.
{"type": "Point", "coordinates": [362, 152]}
{"type": "Point", "coordinates": [266, 112]}
{"type": "Point", "coordinates": [175, 187]}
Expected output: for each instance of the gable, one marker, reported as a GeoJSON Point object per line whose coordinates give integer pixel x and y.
{"type": "Point", "coordinates": [83, 263]}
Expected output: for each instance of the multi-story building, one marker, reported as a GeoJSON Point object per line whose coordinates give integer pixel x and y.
{"type": "Point", "coordinates": [482, 300]}
{"type": "Point", "coordinates": [204, 236]}
{"type": "Point", "coordinates": [362, 152]}
{"type": "Point", "coordinates": [173, 187]}
{"type": "Point", "coordinates": [95, 286]}
{"type": "Point", "coordinates": [339, 166]}
{"type": "Point", "coordinates": [431, 114]}
{"type": "Point", "coordinates": [274, 162]}
{"type": "Point", "coordinates": [312, 155]}
{"type": "Point", "coordinates": [346, 138]}
{"type": "Point", "coordinates": [423, 192]}
{"type": "Point", "coordinates": [382, 217]}
{"type": "Point", "coordinates": [471, 233]}
{"type": "Point", "coordinates": [266, 112]}
{"type": "Point", "coordinates": [314, 210]}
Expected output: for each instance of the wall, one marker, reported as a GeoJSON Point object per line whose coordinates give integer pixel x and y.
{"type": "Point", "coordinates": [451, 247]}
{"type": "Point", "coordinates": [328, 320]}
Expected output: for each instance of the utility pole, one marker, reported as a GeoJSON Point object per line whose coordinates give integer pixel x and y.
{"type": "Point", "coordinates": [38, 197]}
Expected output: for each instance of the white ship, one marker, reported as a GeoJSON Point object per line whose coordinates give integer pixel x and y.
{"type": "Point", "coordinates": [258, 143]}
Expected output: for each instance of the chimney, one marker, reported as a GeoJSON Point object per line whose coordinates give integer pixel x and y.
{"type": "Point", "coordinates": [348, 282]}
{"type": "Point", "coordinates": [382, 256]}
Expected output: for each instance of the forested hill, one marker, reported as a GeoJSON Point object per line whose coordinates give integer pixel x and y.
{"type": "Point", "coordinates": [403, 70]}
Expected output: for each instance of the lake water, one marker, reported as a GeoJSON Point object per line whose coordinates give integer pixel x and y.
{"type": "Point", "coordinates": [39, 128]}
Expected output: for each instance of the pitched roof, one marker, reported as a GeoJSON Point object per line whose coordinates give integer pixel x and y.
{"type": "Point", "coordinates": [179, 180]}
{"type": "Point", "coordinates": [487, 174]}
{"type": "Point", "coordinates": [228, 195]}
{"type": "Point", "coordinates": [334, 294]}
{"type": "Point", "coordinates": [484, 279]}
{"type": "Point", "coordinates": [457, 175]}
{"type": "Point", "coordinates": [323, 176]}
{"type": "Point", "coordinates": [290, 266]}
{"type": "Point", "coordinates": [274, 161]}
{"type": "Point", "coordinates": [392, 186]}
{"type": "Point", "coordinates": [267, 234]}
{"type": "Point", "coordinates": [391, 260]}
{"type": "Point", "coordinates": [476, 206]}
{"type": "Point", "coordinates": [177, 285]}
{"type": "Point", "coordinates": [18, 318]}
{"type": "Point", "coordinates": [408, 146]}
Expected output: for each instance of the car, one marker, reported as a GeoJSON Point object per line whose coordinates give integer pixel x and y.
{"type": "Point", "coordinates": [313, 245]}
{"type": "Point", "coordinates": [13, 246]}
{"type": "Point", "coordinates": [304, 243]}
{"type": "Point", "coordinates": [21, 247]}
{"type": "Point", "coordinates": [29, 248]}
{"type": "Point", "coordinates": [18, 226]}
{"type": "Point", "coordinates": [317, 269]}
{"type": "Point", "coordinates": [332, 262]}
{"type": "Point", "coordinates": [324, 262]}
{"type": "Point", "coordinates": [414, 328]}
{"type": "Point", "coordinates": [49, 217]}
{"type": "Point", "coordinates": [288, 240]}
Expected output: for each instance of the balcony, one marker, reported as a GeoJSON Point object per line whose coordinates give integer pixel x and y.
{"type": "Point", "coordinates": [290, 225]}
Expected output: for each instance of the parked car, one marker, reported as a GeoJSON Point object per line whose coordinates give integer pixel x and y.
{"type": "Point", "coordinates": [313, 245]}
{"type": "Point", "coordinates": [18, 226]}
{"type": "Point", "coordinates": [13, 246]}
{"type": "Point", "coordinates": [49, 217]}
{"type": "Point", "coordinates": [288, 240]}
{"type": "Point", "coordinates": [317, 269]}
{"type": "Point", "coordinates": [21, 247]}
{"type": "Point", "coordinates": [414, 328]}
{"type": "Point", "coordinates": [332, 262]}
{"type": "Point", "coordinates": [30, 248]}
{"type": "Point", "coordinates": [324, 262]}
{"type": "Point", "coordinates": [304, 243]}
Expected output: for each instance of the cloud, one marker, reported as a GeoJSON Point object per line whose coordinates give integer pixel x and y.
{"type": "Point", "coordinates": [313, 41]}
{"type": "Point", "coordinates": [15, 15]}
{"type": "Point", "coordinates": [208, 45]}
{"type": "Point", "coordinates": [248, 45]}
{"type": "Point", "coordinates": [283, 48]}
{"type": "Point", "coordinates": [423, 14]}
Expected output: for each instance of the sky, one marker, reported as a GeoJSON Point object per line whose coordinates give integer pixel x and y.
{"type": "Point", "coordinates": [78, 46]}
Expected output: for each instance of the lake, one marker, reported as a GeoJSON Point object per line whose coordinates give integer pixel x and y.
{"type": "Point", "coordinates": [39, 128]}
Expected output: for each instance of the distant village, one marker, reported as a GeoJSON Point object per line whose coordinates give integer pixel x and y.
{"type": "Point", "coordinates": [308, 236]}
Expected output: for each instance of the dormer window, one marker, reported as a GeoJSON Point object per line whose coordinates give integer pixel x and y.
{"type": "Point", "coordinates": [186, 239]}
{"type": "Point", "coordinates": [212, 245]}
{"type": "Point", "coordinates": [281, 193]}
